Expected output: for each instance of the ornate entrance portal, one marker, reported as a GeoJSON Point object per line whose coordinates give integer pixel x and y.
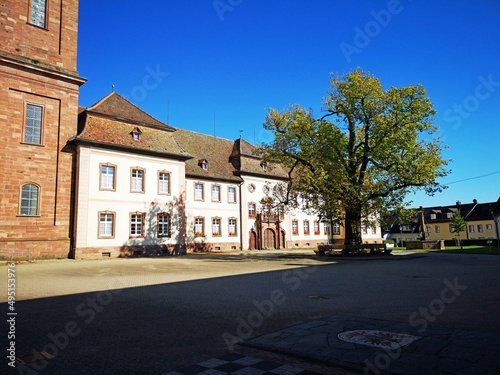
{"type": "Point", "coordinates": [267, 233]}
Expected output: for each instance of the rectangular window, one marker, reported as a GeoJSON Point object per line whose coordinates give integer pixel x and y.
{"type": "Point", "coordinates": [33, 125]}
{"type": "Point", "coordinates": [374, 230]}
{"type": "Point", "coordinates": [232, 227]}
{"type": "Point", "coordinates": [336, 228]}
{"type": "Point", "coordinates": [471, 228]}
{"type": "Point", "coordinates": [163, 182]}
{"type": "Point", "coordinates": [231, 194]}
{"type": "Point", "coordinates": [364, 230]}
{"type": "Point", "coordinates": [437, 229]}
{"type": "Point", "coordinates": [326, 228]}
{"type": "Point", "coordinates": [480, 228]}
{"type": "Point", "coordinates": [295, 227]}
{"type": "Point", "coordinates": [216, 226]}
{"type": "Point", "coordinates": [137, 183]}
{"type": "Point", "coordinates": [38, 12]}
{"type": "Point", "coordinates": [451, 228]}
{"type": "Point", "coordinates": [306, 227]}
{"type": "Point", "coordinates": [198, 191]}
{"type": "Point", "coordinates": [108, 177]}
{"type": "Point", "coordinates": [136, 224]}
{"type": "Point", "coordinates": [449, 215]}
{"type": "Point", "coordinates": [316, 227]}
{"type": "Point", "coordinates": [199, 229]}
{"type": "Point", "coordinates": [215, 193]}
{"type": "Point", "coordinates": [106, 224]}
{"type": "Point", "coordinates": [489, 227]}
{"type": "Point", "coordinates": [251, 209]}
{"type": "Point", "coordinates": [29, 200]}
{"type": "Point", "coordinates": [163, 225]}
{"type": "Point", "coordinates": [428, 229]}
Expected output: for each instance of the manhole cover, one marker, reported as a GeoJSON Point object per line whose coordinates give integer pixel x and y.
{"type": "Point", "coordinates": [378, 339]}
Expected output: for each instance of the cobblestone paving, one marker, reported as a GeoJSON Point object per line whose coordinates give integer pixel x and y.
{"type": "Point", "coordinates": [439, 351]}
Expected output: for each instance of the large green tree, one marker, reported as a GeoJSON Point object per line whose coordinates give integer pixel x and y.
{"type": "Point", "coordinates": [368, 150]}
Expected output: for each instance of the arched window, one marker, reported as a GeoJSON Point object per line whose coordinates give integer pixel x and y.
{"type": "Point", "coordinates": [29, 200]}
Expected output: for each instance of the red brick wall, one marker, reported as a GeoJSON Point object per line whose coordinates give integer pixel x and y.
{"type": "Point", "coordinates": [53, 46]}
{"type": "Point", "coordinates": [48, 165]}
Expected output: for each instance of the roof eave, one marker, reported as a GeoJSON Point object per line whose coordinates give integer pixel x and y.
{"type": "Point", "coordinates": [111, 146]}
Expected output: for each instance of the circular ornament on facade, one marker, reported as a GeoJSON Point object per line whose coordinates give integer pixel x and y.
{"type": "Point", "coordinates": [251, 188]}
{"type": "Point", "coordinates": [266, 189]}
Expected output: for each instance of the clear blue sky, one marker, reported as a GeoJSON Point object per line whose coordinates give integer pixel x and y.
{"type": "Point", "coordinates": [217, 66]}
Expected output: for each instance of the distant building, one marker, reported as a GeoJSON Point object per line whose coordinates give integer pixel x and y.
{"type": "Point", "coordinates": [39, 88]}
{"type": "Point", "coordinates": [437, 223]}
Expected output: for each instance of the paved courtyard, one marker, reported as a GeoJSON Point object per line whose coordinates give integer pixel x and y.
{"type": "Point", "coordinates": [158, 315]}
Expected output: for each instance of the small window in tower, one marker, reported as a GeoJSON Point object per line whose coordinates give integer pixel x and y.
{"type": "Point", "coordinates": [38, 13]}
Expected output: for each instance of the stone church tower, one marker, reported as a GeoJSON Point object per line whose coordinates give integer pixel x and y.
{"type": "Point", "coordinates": [39, 87]}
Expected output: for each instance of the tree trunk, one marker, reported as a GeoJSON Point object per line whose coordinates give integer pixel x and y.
{"type": "Point", "coordinates": [353, 226]}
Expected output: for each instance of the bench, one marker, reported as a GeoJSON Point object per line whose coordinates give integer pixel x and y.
{"type": "Point", "coordinates": [372, 248]}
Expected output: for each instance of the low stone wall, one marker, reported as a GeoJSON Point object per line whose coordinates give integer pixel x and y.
{"type": "Point", "coordinates": [425, 245]}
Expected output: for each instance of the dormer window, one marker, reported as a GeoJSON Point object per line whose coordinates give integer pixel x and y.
{"type": "Point", "coordinates": [136, 134]}
{"type": "Point", "coordinates": [203, 163]}
{"type": "Point", "coordinates": [263, 165]}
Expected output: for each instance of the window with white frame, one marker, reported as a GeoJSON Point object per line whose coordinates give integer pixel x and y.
{"type": "Point", "coordinates": [231, 194]}
{"type": "Point", "coordinates": [326, 228]}
{"type": "Point", "coordinates": [251, 209]}
{"type": "Point", "coordinates": [232, 229]}
{"type": "Point", "coordinates": [163, 182]}
{"type": "Point", "coordinates": [108, 177]}
{"type": "Point", "coordinates": [199, 229]}
{"type": "Point", "coordinates": [336, 228]}
{"type": "Point", "coordinates": [374, 230]}
{"type": "Point", "coordinates": [437, 229]}
{"type": "Point", "coordinates": [216, 230]}
{"type": "Point", "coordinates": [471, 228]}
{"type": "Point", "coordinates": [137, 182]}
{"type": "Point", "coordinates": [489, 227]}
{"type": "Point", "coordinates": [480, 228]}
{"type": "Point", "coordinates": [106, 224]}
{"type": "Point", "coordinates": [295, 227]}
{"type": "Point", "coordinates": [215, 193]}
{"type": "Point", "coordinates": [364, 230]}
{"type": "Point", "coordinates": [198, 191]}
{"type": "Point", "coordinates": [33, 124]}
{"type": "Point", "coordinates": [316, 227]}
{"type": "Point", "coordinates": [163, 225]}
{"type": "Point", "coordinates": [306, 226]}
{"type": "Point", "coordinates": [38, 13]}
{"type": "Point", "coordinates": [136, 224]}
{"type": "Point", "coordinates": [29, 200]}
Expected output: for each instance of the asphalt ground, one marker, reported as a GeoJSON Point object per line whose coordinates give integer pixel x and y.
{"type": "Point", "coordinates": [155, 315]}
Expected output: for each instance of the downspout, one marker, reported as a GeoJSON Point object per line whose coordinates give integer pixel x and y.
{"type": "Point", "coordinates": [241, 214]}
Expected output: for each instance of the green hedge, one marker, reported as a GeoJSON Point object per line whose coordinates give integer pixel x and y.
{"type": "Point", "coordinates": [474, 242]}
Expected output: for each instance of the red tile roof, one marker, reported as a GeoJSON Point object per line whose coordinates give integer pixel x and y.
{"type": "Point", "coordinates": [116, 106]}
{"type": "Point", "coordinates": [114, 133]}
